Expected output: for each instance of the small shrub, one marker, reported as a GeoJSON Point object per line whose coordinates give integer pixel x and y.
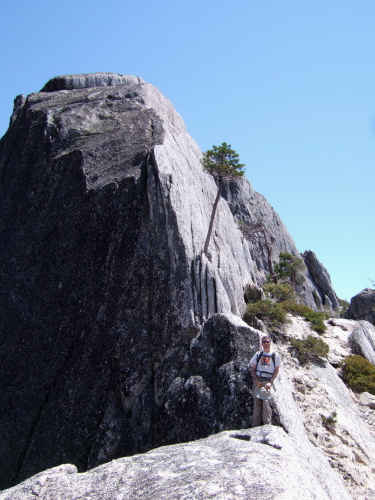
{"type": "Point", "coordinates": [316, 318]}
{"type": "Point", "coordinates": [344, 307]}
{"type": "Point", "coordinates": [329, 422]}
{"type": "Point", "coordinates": [271, 313]}
{"type": "Point", "coordinates": [359, 373]}
{"type": "Point", "coordinates": [278, 291]}
{"type": "Point", "coordinates": [310, 349]}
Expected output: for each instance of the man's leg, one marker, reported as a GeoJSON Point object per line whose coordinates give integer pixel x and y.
{"type": "Point", "coordinates": [267, 412]}
{"type": "Point", "coordinates": [257, 411]}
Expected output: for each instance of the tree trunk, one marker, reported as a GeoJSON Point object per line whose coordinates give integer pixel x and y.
{"type": "Point", "coordinates": [213, 217]}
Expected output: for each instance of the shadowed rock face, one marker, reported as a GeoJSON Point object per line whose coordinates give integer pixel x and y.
{"type": "Point", "coordinates": [362, 306]}
{"type": "Point", "coordinates": [106, 350]}
{"type": "Point", "coordinates": [77, 276]}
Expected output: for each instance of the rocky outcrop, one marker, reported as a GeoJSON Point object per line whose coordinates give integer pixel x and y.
{"type": "Point", "coordinates": [318, 392]}
{"type": "Point", "coordinates": [257, 463]}
{"type": "Point", "coordinates": [117, 334]}
{"type": "Point", "coordinates": [320, 277]}
{"type": "Point", "coordinates": [362, 340]}
{"type": "Point", "coordinates": [104, 211]}
{"type": "Point", "coordinates": [85, 81]}
{"type": "Point", "coordinates": [362, 306]}
{"type": "Point", "coordinates": [333, 461]}
{"type": "Point", "coordinates": [367, 399]}
{"type": "Point", "coordinates": [248, 206]}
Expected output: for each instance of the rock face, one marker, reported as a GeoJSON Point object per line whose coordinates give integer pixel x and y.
{"type": "Point", "coordinates": [85, 81]}
{"type": "Point", "coordinates": [249, 206]}
{"type": "Point", "coordinates": [321, 278]}
{"type": "Point", "coordinates": [362, 340]}
{"type": "Point", "coordinates": [310, 459]}
{"type": "Point", "coordinates": [362, 306]}
{"type": "Point", "coordinates": [117, 335]}
{"type": "Point", "coordinates": [318, 391]}
{"type": "Point", "coordinates": [254, 463]}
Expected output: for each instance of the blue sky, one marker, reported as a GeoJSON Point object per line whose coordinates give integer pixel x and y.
{"type": "Point", "coordinates": [289, 84]}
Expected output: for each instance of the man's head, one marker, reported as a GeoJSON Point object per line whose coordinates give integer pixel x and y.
{"type": "Point", "coordinates": [266, 343]}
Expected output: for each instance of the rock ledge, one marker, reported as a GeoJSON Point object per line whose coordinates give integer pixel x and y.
{"type": "Point", "coordinates": [85, 81]}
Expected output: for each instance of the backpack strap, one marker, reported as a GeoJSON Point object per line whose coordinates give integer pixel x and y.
{"type": "Point", "coordinates": [260, 353]}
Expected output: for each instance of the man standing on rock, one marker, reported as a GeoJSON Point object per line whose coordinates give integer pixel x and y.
{"type": "Point", "coordinates": [265, 366]}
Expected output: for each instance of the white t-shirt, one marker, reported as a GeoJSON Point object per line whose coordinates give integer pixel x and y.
{"type": "Point", "coordinates": [265, 366]}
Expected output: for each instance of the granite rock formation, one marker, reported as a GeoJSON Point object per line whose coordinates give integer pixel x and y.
{"type": "Point", "coordinates": [247, 205]}
{"type": "Point", "coordinates": [117, 335]}
{"type": "Point", "coordinates": [362, 340]}
{"type": "Point", "coordinates": [340, 458]}
{"type": "Point", "coordinates": [318, 390]}
{"type": "Point", "coordinates": [321, 278]}
{"type": "Point", "coordinates": [362, 306]}
{"type": "Point", "coordinates": [254, 463]}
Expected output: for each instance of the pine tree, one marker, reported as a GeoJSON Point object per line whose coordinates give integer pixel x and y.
{"type": "Point", "coordinates": [290, 268]}
{"type": "Point", "coordinates": [223, 164]}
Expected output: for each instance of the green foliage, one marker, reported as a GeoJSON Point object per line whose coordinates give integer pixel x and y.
{"type": "Point", "coordinates": [289, 268]}
{"type": "Point", "coordinates": [278, 291]}
{"type": "Point", "coordinates": [222, 162]}
{"type": "Point", "coordinates": [271, 313]}
{"type": "Point", "coordinates": [317, 300]}
{"type": "Point", "coordinates": [274, 312]}
{"type": "Point", "coordinates": [316, 318]}
{"type": "Point", "coordinates": [344, 307]}
{"type": "Point", "coordinates": [359, 373]}
{"type": "Point", "coordinates": [310, 349]}
{"type": "Point", "coordinates": [329, 422]}
{"type": "Point", "coordinates": [343, 303]}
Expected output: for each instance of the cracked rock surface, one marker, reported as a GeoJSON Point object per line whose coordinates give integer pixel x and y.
{"type": "Point", "coordinates": [260, 463]}
{"type": "Point", "coordinates": [318, 391]}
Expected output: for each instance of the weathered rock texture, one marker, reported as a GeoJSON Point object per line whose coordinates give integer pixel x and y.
{"type": "Point", "coordinates": [311, 459]}
{"type": "Point", "coordinates": [362, 306]}
{"type": "Point", "coordinates": [317, 390]}
{"type": "Point", "coordinates": [362, 340]}
{"type": "Point", "coordinates": [258, 463]}
{"type": "Point", "coordinates": [249, 206]}
{"type": "Point", "coordinates": [321, 278]}
{"type": "Point", "coordinates": [106, 349]}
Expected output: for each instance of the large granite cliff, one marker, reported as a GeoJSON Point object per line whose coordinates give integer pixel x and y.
{"type": "Point", "coordinates": [117, 335]}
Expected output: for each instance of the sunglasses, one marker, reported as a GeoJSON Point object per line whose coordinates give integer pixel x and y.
{"type": "Point", "coordinates": [266, 341]}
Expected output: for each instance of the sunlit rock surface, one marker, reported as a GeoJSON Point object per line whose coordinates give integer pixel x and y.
{"type": "Point", "coordinates": [257, 463]}
{"type": "Point", "coordinates": [362, 306]}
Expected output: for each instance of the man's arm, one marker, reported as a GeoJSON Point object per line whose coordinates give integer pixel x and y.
{"type": "Point", "coordinates": [268, 385]}
{"type": "Point", "coordinates": [275, 373]}
{"type": "Point", "coordinates": [254, 375]}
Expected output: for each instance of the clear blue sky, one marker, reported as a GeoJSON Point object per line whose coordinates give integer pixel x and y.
{"type": "Point", "coordinates": [289, 84]}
